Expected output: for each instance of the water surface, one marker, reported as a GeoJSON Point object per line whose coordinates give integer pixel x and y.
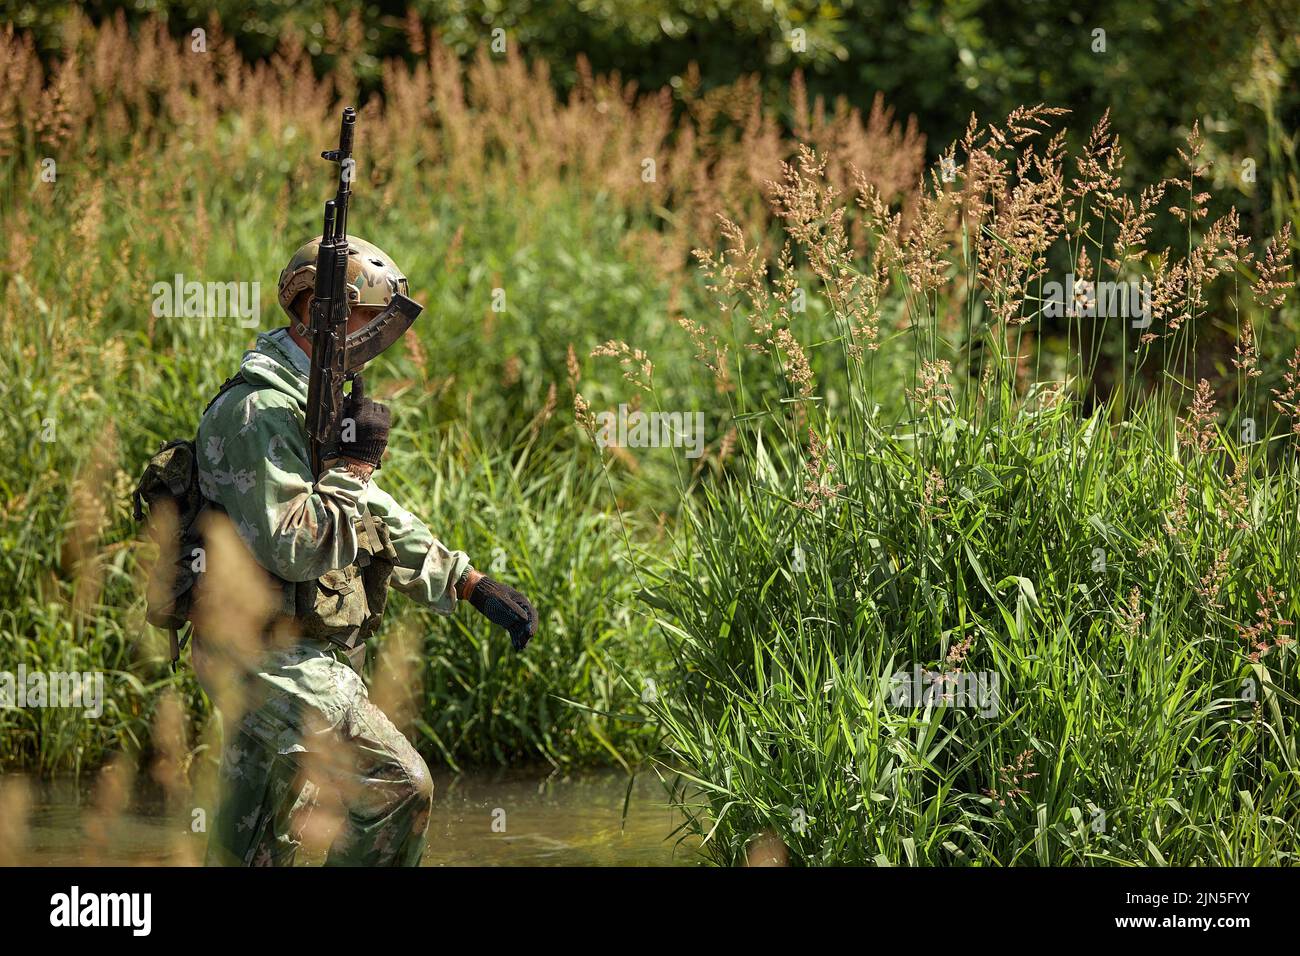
{"type": "Point", "coordinates": [505, 818]}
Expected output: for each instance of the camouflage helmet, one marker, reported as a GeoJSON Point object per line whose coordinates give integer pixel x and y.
{"type": "Point", "coordinates": [372, 277]}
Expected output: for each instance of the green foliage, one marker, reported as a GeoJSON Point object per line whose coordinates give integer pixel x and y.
{"type": "Point", "coordinates": [939, 60]}
{"type": "Point", "coordinates": [956, 534]}
{"type": "Point", "coordinates": [983, 622]}
{"type": "Point", "coordinates": [1148, 735]}
{"type": "Point", "coordinates": [489, 462]}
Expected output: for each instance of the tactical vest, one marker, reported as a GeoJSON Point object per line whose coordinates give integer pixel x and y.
{"type": "Point", "coordinates": [343, 607]}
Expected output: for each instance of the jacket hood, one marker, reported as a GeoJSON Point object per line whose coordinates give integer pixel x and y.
{"type": "Point", "coordinates": [277, 362]}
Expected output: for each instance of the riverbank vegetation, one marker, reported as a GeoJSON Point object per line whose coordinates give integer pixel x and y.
{"type": "Point", "coordinates": [1073, 533]}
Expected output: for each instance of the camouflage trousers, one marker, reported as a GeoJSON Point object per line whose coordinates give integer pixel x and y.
{"type": "Point", "coordinates": [311, 756]}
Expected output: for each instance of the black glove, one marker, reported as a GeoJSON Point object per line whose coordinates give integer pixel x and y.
{"type": "Point", "coordinates": [371, 424]}
{"type": "Point", "coordinates": [504, 606]}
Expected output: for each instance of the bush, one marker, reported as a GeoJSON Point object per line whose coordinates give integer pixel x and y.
{"type": "Point", "coordinates": [978, 622]}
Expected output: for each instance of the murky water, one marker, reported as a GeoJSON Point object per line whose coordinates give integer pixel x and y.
{"type": "Point", "coordinates": [518, 818]}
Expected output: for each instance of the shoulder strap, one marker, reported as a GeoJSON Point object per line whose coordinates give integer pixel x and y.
{"type": "Point", "coordinates": [227, 385]}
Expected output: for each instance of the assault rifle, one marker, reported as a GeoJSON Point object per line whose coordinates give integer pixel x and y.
{"type": "Point", "coordinates": [335, 355]}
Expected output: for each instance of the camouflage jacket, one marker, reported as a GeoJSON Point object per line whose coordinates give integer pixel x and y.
{"type": "Point", "coordinates": [253, 462]}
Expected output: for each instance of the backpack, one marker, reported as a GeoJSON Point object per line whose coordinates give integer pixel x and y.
{"type": "Point", "coordinates": [168, 494]}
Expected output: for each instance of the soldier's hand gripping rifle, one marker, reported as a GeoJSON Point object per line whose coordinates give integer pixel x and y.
{"type": "Point", "coordinates": [335, 355]}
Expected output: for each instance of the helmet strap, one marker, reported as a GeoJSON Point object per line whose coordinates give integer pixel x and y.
{"type": "Point", "coordinates": [301, 328]}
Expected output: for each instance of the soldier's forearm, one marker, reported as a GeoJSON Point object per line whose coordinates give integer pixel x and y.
{"type": "Point", "coordinates": [313, 531]}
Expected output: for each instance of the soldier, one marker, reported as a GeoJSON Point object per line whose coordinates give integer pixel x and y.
{"type": "Point", "coordinates": [332, 545]}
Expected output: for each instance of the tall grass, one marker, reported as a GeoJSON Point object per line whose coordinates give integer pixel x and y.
{"type": "Point", "coordinates": [1123, 571]}
{"type": "Point", "coordinates": [898, 473]}
{"type": "Point", "coordinates": [576, 215]}
{"type": "Point", "coordinates": [170, 163]}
